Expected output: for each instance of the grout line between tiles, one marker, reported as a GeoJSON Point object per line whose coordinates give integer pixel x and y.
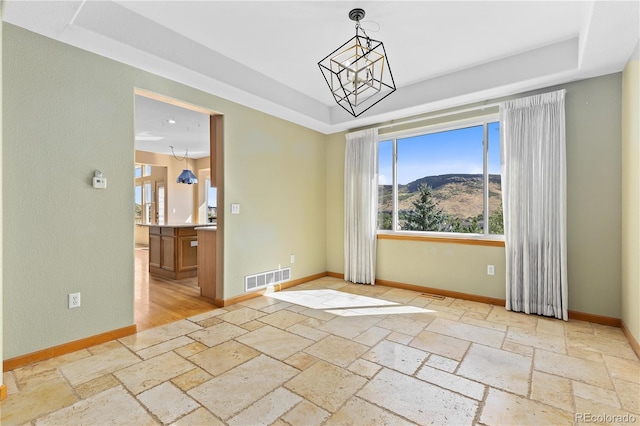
{"type": "Point", "coordinates": [480, 404]}
{"type": "Point", "coordinates": [529, 389]}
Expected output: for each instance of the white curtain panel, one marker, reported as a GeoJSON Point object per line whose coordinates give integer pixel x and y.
{"type": "Point", "coordinates": [534, 202]}
{"type": "Point", "coordinates": [360, 206]}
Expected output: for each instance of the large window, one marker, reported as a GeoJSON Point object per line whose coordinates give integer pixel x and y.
{"type": "Point", "coordinates": [211, 202]}
{"type": "Point", "coordinates": [443, 180]}
{"type": "Point", "coordinates": [148, 200]}
{"type": "Point", "coordinates": [138, 204]}
{"type": "Point", "coordinates": [143, 193]}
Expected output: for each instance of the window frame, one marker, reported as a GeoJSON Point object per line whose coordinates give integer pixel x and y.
{"type": "Point", "coordinates": [395, 233]}
{"type": "Point", "coordinates": [147, 202]}
{"type": "Point", "coordinates": [138, 219]}
{"type": "Point", "coordinates": [207, 198]}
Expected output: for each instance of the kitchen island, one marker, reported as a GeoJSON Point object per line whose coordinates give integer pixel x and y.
{"type": "Point", "coordinates": [173, 250]}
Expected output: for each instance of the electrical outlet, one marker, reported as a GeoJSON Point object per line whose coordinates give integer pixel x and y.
{"type": "Point", "coordinates": [74, 300]}
{"type": "Point", "coordinates": [491, 270]}
{"type": "Point", "coordinates": [293, 258]}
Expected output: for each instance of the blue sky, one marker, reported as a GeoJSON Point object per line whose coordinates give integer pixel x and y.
{"type": "Point", "coordinates": [455, 151]}
{"type": "Point", "coordinates": [138, 195]}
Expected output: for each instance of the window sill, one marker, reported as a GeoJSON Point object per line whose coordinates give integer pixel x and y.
{"type": "Point", "coordinates": [479, 240]}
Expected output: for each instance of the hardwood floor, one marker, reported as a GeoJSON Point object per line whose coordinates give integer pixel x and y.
{"type": "Point", "coordinates": [160, 301]}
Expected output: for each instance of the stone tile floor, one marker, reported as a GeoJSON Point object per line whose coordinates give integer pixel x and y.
{"type": "Point", "coordinates": [329, 352]}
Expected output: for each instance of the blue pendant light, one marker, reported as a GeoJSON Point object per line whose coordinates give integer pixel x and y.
{"type": "Point", "coordinates": [187, 175]}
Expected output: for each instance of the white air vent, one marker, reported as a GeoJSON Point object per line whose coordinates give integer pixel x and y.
{"type": "Point", "coordinates": [264, 279]}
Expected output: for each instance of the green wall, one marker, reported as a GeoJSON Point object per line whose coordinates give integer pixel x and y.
{"type": "Point", "coordinates": [335, 202]}
{"type": "Point", "coordinates": [68, 112]}
{"type": "Point", "coordinates": [593, 114]}
{"type": "Point", "coordinates": [65, 115]}
{"type": "Point", "coordinates": [1, 201]}
{"type": "Point", "coordinates": [594, 205]}
{"type": "Point", "coordinates": [275, 171]}
{"type": "Point", "coordinates": [631, 195]}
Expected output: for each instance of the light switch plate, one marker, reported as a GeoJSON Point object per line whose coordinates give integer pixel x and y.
{"type": "Point", "coordinates": [235, 208]}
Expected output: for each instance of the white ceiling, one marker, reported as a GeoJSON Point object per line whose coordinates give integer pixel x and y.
{"type": "Point", "coordinates": [264, 54]}
{"type": "Point", "coordinates": [160, 126]}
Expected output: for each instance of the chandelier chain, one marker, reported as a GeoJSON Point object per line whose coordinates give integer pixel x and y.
{"type": "Point", "coordinates": [179, 159]}
{"type": "Point", "coordinates": [360, 28]}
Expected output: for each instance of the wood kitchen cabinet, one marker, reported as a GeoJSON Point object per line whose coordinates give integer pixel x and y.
{"type": "Point", "coordinates": [173, 251]}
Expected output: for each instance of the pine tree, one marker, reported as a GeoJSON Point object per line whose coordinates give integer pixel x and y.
{"type": "Point", "coordinates": [385, 219]}
{"type": "Point", "coordinates": [496, 221]}
{"type": "Point", "coordinates": [456, 226]}
{"type": "Point", "coordinates": [426, 216]}
{"type": "Point", "coordinates": [474, 228]}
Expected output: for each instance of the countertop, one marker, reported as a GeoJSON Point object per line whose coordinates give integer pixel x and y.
{"type": "Point", "coordinates": [209, 228]}
{"type": "Point", "coordinates": [179, 225]}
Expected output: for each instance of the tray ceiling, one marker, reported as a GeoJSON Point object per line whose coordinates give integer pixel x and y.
{"type": "Point", "coordinates": [264, 54]}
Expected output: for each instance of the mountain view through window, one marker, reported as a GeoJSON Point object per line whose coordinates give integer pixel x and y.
{"type": "Point", "coordinates": [441, 181]}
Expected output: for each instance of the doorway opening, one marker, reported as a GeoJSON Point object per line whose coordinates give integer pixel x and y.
{"type": "Point", "coordinates": [167, 287]}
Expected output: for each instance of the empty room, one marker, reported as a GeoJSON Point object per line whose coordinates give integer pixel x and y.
{"type": "Point", "coordinates": [319, 212]}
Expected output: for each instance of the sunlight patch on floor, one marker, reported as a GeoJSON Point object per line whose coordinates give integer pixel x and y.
{"type": "Point", "coordinates": [344, 304]}
{"type": "Point", "coordinates": [378, 310]}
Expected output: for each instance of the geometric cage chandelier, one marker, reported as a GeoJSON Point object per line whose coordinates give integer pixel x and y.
{"type": "Point", "coordinates": [358, 72]}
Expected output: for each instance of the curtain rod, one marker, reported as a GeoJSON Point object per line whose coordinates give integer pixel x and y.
{"type": "Point", "coordinates": [443, 114]}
